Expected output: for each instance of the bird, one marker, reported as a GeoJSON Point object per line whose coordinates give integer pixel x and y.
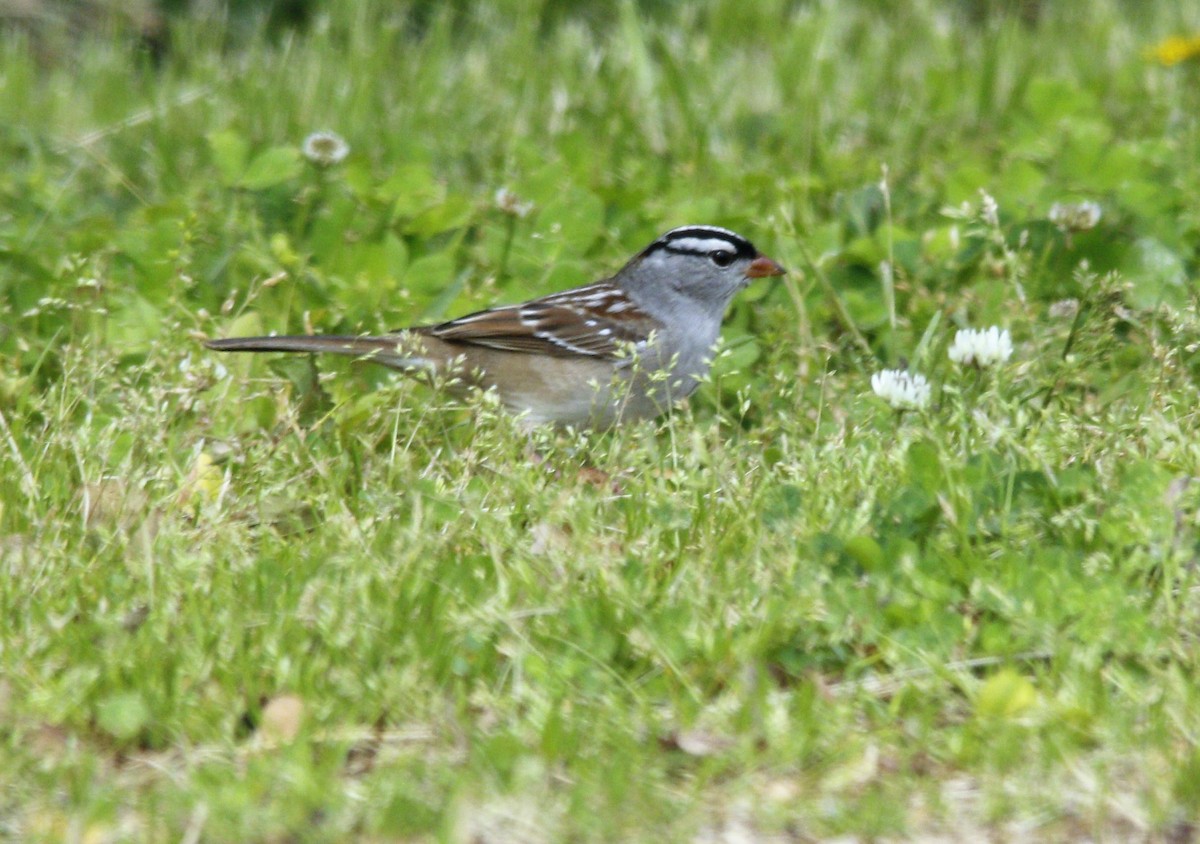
{"type": "Point", "coordinates": [622, 349]}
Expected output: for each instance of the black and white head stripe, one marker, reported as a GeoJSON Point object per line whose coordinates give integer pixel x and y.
{"type": "Point", "coordinates": [702, 240]}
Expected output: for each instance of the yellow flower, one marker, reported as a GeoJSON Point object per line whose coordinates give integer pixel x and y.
{"type": "Point", "coordinates": [203, 483]}
{"type": "Point", "coordinates": [1176, 49]}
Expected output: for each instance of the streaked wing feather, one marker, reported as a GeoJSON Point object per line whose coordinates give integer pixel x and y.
{"type": "Point", "coordinates": [594, 321]}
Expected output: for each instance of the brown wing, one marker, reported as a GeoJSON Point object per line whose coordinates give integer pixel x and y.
{"type": "Point", "coordinates": [594, 321]}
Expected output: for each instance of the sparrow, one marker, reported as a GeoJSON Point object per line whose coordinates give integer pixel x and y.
{"type": "Point", "coordinates": [621, 349]}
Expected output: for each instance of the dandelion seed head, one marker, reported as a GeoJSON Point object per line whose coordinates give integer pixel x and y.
{"type": "Point", "coordinates": [981, 347]}
{"type": "Point", "coordinates": [325, 149]}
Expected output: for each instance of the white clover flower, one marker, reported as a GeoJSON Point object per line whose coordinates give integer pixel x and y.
{"type": "Point", "coordinates": [325, 149]}
{"type": "Point", "coordinates": [901, 389]}
{"type": "Point", "coordinates": [511, 204]}
{"type": "Point", "coordinates": [981, 347]}
{"type": "Point", "coordinates": [1075, 216]}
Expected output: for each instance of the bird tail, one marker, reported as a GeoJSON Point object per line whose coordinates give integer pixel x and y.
{"type": "Point", "coordinates": [391, 351]}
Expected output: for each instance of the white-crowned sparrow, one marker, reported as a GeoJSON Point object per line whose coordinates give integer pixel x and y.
{"type": "Point", "coordinates": [624, 348]}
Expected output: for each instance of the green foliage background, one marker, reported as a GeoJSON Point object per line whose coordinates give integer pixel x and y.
{"type": "Point", "coordinates": [257, 600]}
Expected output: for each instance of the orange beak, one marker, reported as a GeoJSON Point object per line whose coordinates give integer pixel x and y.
{"type": "Point", "coordinates": [763, 267]}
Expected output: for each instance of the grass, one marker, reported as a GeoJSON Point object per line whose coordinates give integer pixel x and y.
{"type": "Point", "coordinates": [254, 600]}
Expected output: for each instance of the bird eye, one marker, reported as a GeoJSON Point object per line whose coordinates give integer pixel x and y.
{"type": "Point", "coordinates": [721, 257]}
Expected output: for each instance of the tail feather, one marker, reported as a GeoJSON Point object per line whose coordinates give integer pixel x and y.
{"type": "Point", "coordinates": [389, 351]}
